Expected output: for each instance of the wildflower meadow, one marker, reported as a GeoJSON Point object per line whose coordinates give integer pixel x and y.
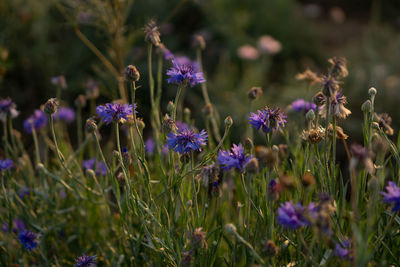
{"type": "Point", "coordinates": [150, 170]}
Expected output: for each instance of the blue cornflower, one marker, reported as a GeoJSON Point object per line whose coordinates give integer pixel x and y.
{"type": "Point", "coordinates": [292, 215]}
{"type": "Point", "coordinates": [28, 239]}
{"type": "Point", "coordinates": [7, 106]}
{"type": "Point", "coordinates": [186, 140]}
{"type": "Point", "coordinates": [65, 114]}
{"type": "Point", "coordinates": [6, 164]}
{"type": "Point", "coordinates": [115, 112]}
{"type": "Point", "coordinates": [23, 191]}
{"type": "Point", "coordinates": [392, 195]}
{"type": "Point", "coordinates": [100, 167]}
{"type": "Point", "coordinates": [185, 73]}
{"type": "Point", "coordinates": [86, 261]}
{"type": "Point", "coordinates": [342, 250]}
{"type": "Point", "coordinates": [38, 119]}
{"type": "Point", "coordinates": [268, 119]}
{"type": "Point", "coordinates": [234, 158]}
{"type": "Point", "coordinates": [300, 105]}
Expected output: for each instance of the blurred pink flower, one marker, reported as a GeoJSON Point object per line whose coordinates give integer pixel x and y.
{"type": "Point", "coordinates": [248, 52]}
{"type": "Point", "coordinates": [269, 45]}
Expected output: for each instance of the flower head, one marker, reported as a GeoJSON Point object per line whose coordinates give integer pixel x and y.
{"type": "Point", "coordinates": [384, 121]}
{"type": "Point", "coordinates": [234, 158]}
{"type": "Point", "coordinates": [185, 140]}
{"type": "Point", "coordinates": [342, 250]}
{"type": "Point", "coordinates": [301, 105]}
{"type": "Point", "coordinates": [185, 73]}
{"type": "Point", "coordinates": [268, 119]}
{"type": "Point", "coordinates": [7, 106]}
{"type": "Point", "coordinates": [330, 85]}
{"type": "Point", "coordinates": [86, 261]}
{"type": "Point", "coordinates": [150, 146]}
{"type": "Point", "coordinates": [392, 195]}
{"type": "Point", "coordinates": [248, 52]}
{"type": "Point", "coordinates": [292, 215]}
{"type": "Point", "coordinates": [6, 164]}
{"type": "Point", "coordinates": [309, 76]}
{"type": "Point", "coordinates": [28, 239]}
{"type": "Point", "coordinates": [115, 112]}
{"type": "Point", "coordinates": [38, 119]}
{"type": "Point", "coordinates": [269, 45]}
{"type": "Point", "coordinates": [100, 167]}
{"type": "Point", "coordinates": [337, 109]}
{"type": "Point", "coordinates": [361, 156]}
{"type": "Point", "coordinates": [338, 67]}
{"type": "Point", "coordinates": [65, 114]}
{"type": "Point", "coordinates": [23, 191]}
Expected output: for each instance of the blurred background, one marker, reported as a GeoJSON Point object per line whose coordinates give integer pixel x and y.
{"type": "Point", "coordinates": [80, 38]}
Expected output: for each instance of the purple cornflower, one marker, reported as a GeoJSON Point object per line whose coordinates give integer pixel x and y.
{"type": "Point", "coordinates": [292, 215]}
{"type": "Point", "coordinates": [28, 239]}
{"type": "Point", "coordinates": [86, 261]}
{"type": "Point", "coordinates": [38, 119]}
{"type": "Point", "coordinates": [150, 146]}
{"type": "Point", "coordinates": [115, 112]}
{"type": "Point", "coordinates": [186, 140]}
{"type": "Point", "coordinates": [300, 105]}
{"type": "Point", "coordinates": [65, 114]}
{"type": "Point", "coordinates": [234, 158]}
{"type": "Point", "coordinates": [18, 225]}
{"type": "Point", "coordinates": [185, 73]}
{"type": "Point", "coordinates": [100, 167]}
{"type": "Point", "coordinates": [268, 119]}
{"type": "Point", "coordinates": [392, 195]}
{"type": "Point", "coordinates": [6, 164]}
{"type": "Point", "coordinates": [343, 250]}
{"type": "Point", "coordinates": [23, 191]}
{"type": "Point", "coordinates": [4, 227]}
{"type": "Point", "coordinates": [7, 106]}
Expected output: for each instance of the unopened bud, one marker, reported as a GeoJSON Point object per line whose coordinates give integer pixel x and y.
{"type": "Point", "coordinates": [208, 109]}
{"type": "Point", "coordinates": [140, 123]}
{"type": "Point", "coordinates": [230, 229]}
{"type": "Point", "coordinates": [366, 107]}
{"type": "Point", "coordinates": [115, 154]}
{"type": "Point", "coordinates": [168, 124]}
{"type": "Point", "coordinates": [254, 93]}
{"type": "Point", "coordinates": [187, 114]}
{"type": "Point", "coordinates": [198, 42]}
{"type": "Point", "coordinates": [91, 125]}
{"type": "Point", "coordinates": [248, 145]}
{"type": "Point", "coordinates": [51, 106]}
{"type": "Point", "coordinates": [80, 101]}
{"type": "Point", "coordinates": [228, 121]}
{"type": "Point", "coordinates": [310, 115]}
{"type": "Point", "coordinates": [132, 74]}
{"type": "Point", "coordinates": [252, 166]}
{"type": "Point", "coordinates": [372, 91]}
{"type": "Point", "coordinates": [170, 107]}
{"type": "Point", "coordinates": [126, 158]}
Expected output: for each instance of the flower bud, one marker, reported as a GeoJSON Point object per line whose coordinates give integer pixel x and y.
{"type": "Point", "coordinates": [91, 125]}
{"type": "Point", "coordinates": [310, 115]}
{"type": "Point", "coordinates": [228, 121]}
{"type": "Point", "coordinates": [269, 248]}
{"type": "Point", "coordinates": [115, 154]}
{"type": "Point", "coordinates": [187, 114]}
{"type": "Point", "coordinates": [308, 179]}
{"type": "Point", "coordinates": [319, 99]}
{"type": "Point", "coordinates": [170, 107]}
{"type": "Point", "coordinates": [80, 101]}
{"type": "Point", "coordinates": [254, 93]}
{"type": "Point", "coordinates": [121, 178]}
{"type": "Point", "coordinates": [372, 91]}
{"type": "Point", "coordinates": [248, 145]}
{"type": "Point", "coordinates": [140, 123]}
{"type": "Point", "coordinates": [366, 107]}
{"type": "Point", "coordinates": [252, 166]}
{"type": "Point", "coordinates": [51, 106]}
{"type": "Point", "coordinates": [132, 74]}
{"type": "Point", "coordinates": [126, 158]}
{"type": "Point", "coordinates": [90, 173]}
{"type": "Point", "coordinates": [230, 229]}
{"type": "Point", "coordinates": [199, 42]}
{"type": "Point", "coordinates": [168, 124]}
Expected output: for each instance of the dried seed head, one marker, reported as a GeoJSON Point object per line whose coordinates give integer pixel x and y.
{"type": "Point", "coordinates": [51, 106]}
{"type": "Point", "coordinates": [319, 99]}
{"type": "Point", "coordinates": [152, 33]}
{"type": "Point", "coordinates": [339, 68]}
{"type": "Point", "coordinates": [168, 124]}
{"type": "Point", "coordinates": [309, 76]}
{"type": "Point", "coordinates": [286, 181]}
{"type": "Point", "coordinates": [132, 74]}
{"type": "Point", "coordinates": [254, 93]}
{"type": "Point", "coordinates": [329, 85]}
{"type": "Point", "coordinates": [313, 136]}
{"type": "Point", "coordinates": [384, 121]}
{"type": "Point", "coordinates": [186, 259]}
{"type": "Point", "coordinates": [198, 238]}
{"type": "Point", "coordinates": [269, 248]}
